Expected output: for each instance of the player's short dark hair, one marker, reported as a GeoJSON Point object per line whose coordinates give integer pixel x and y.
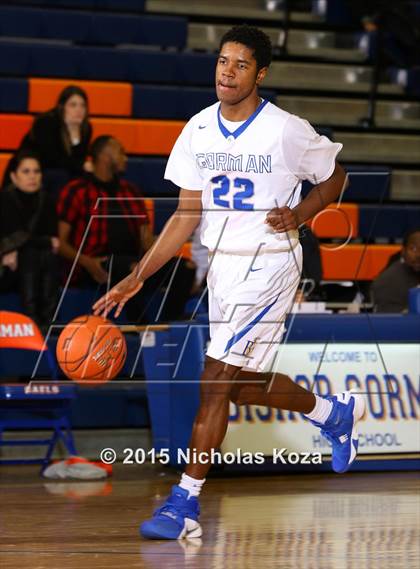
{"type": "Point", "coordinates": [408, 234]}
{"type": "Point", "coordinates": [253, 38]}
{"type": "Point", "coordinates": [98, 145]}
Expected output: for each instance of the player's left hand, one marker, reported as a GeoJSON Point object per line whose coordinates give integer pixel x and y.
{"type": "Point", "coordinates": [282, 219]}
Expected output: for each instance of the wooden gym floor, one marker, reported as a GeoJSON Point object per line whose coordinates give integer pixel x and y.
{"type": "Point", "coordinates": [353, 521]}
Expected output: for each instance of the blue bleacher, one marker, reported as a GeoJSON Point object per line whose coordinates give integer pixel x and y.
{"type": "Point", "coordinates": [148, 174]}
{"type": "Point", "coordinates": [164, 208]}
{"type": "Point", "coordinates": [151, 66]}
{"type": "Point", "coordinates": [103, 63]}
{"type": "Point", "coordinates": [10, 302]}
{"type": "Point", "coordinates": [145, 30]}
{"type": "Point", "coordinates": [388, 221]}
{"type": "Point", "coordinates": [196, 68]}
{"type": "Point", "coordinates": [13, 24]}
{"type": "Point", "coordinates": [367, 184]}
{"type": "Point", "coordinates": [49, 59]}
{"type": "Point", "coordinates": [149, 101]}
{"type": "Point", "coordinates": [61, 25]}
{"type": "Point", "coordinates": [93, 28]}
{"type": "Point", "coordinates": [413, 81]}
{"type": "Point", "coordinates": [170, 102]}
{"type": "Point", "coordinates": [337, 13]}
{"type": "Point", "coordinates": [14, 59]}
{"type": "Point", "coordinates": [55, 60]}
{"type": "Point", "coordinates": [13, 95]}
{"type": "Point", "coordinates": [114, 5]}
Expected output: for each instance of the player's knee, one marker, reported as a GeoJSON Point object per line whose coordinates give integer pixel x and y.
{"type": "Point", "coordinates": [215, 388]}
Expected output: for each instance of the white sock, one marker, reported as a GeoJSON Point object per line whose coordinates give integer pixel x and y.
{"type": "Point", "coordinates": [191, 484]}
{"type": "Point", "coordinates": [321, 411]}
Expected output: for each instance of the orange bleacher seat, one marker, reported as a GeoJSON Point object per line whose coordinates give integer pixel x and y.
{"type": "Point", "coordinates": [12, 129]}
{"type": "Point", "coordinates": [4, 160]}
{"type": "Point", "coordinates": [137, 136]}
{"type": "Point", "coordinates": [141, 136]}
{"type": "Point", "coordinates": [336, 221]}
{"type": "Point", "coordinates": [105, 98]}
{"type": "Point", "coordinates": [355, 262]}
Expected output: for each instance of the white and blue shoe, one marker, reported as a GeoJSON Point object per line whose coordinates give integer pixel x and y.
{"type": "Point", "coordinates": [340, 428]}
{"type": "Point", "coordinates": [176, 519]}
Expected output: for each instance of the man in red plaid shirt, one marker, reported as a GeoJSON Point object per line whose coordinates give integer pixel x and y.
{"type": "Point", "coordinates": [102, 216]}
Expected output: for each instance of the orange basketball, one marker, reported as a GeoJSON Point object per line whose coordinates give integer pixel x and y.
{"type": "Point", "coordinates": [91, 349]}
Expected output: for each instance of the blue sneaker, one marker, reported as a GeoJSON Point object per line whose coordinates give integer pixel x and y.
{"type": "Point", "coordinates": [340, 428]}
{"type": "Point", "coordinates": [176, 519]}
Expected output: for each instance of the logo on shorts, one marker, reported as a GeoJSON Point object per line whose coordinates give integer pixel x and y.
{"type": "Point", "coordinates": [249, 348]}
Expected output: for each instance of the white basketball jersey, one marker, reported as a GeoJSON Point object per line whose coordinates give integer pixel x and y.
{"type": "Point", "coordinates": [245, 173]}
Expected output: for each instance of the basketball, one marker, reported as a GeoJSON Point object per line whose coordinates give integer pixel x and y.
{"type": "Point", "coordinates": [91, 349]}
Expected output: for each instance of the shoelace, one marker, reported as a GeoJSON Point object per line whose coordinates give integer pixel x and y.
{"type": "Point", "coordinates": [173, 508]}
{"type": "Point", "coordinates": [332, 438]}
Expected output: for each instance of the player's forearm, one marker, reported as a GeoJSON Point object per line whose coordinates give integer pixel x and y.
{"type": "Point", "coordinates": [177, 230]}
{"type": "Point", "coordinates": [321, 195]}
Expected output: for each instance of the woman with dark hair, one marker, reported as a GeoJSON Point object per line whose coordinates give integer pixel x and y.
{"type": "Point", "coordinates": [62, 135]}
{"type": "Point", "coordinates": [28, 238]}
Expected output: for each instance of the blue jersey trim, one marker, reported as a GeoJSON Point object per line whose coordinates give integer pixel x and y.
{"type": "Point", "coordinates": [226, 133]}
{"type": "Point", "coordinates": [249, 326]}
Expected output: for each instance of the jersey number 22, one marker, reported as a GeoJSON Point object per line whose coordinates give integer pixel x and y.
{"type": "Point", "coordinates": [245, 189]}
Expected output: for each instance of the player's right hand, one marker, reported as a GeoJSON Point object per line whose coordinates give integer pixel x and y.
{"type": "Point", "coordinates": [118, 296]}
{"type": "Point", "coordinates": [282, 219]}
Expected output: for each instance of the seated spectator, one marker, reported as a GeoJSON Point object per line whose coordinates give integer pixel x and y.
{"type": "Point", "coordinates": [390, 288]}
{"type": "Point", "coordinates": [29, 239]}
{"type": "Point", "coordinates": [395, 31]}
{"type": "Point", "coordinates": [397, 22]}
{"type": "Point", "coordinates": [60, 137]}
{"type": "Point", "coordinates": [103, 224]}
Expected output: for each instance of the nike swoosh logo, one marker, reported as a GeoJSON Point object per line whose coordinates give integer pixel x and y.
{"type": "Point", "coordinates": [253, 270]}
{"type": "Point", "coordinates": [200, 127]}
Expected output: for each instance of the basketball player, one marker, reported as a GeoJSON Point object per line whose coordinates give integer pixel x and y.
{"type": "Point", "coordinates": [239, 164]}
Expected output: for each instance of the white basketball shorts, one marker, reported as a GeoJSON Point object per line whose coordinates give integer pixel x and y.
{"type": "Point", "coordinates": [249, 300]}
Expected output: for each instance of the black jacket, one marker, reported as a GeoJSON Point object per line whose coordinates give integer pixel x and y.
{"type": "Point", "coordinates": [45, 138]}
{"type": "Point", "coordinates": [390, 288]}
{"type": "Point", "coordinates": [26, 219]}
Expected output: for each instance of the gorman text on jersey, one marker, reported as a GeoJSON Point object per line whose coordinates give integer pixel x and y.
{"type": "Point", "coordinates": [258, 163]}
